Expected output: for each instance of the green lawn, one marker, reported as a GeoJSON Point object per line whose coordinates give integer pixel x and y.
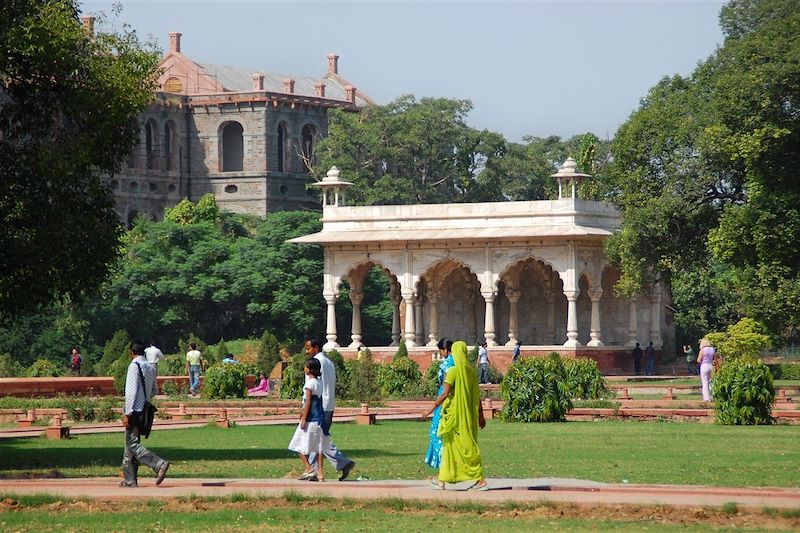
{"type": "Point", "coordinates": [610, 451]}
{"type": "Point", "coordinates": [296, 513]}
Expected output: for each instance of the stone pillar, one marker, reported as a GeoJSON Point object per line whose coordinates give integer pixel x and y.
{"type": "Point", "coordinates": [594, 331]}
{"type": "Point", "coordinates": [330, 300]}
{"type": "Point", "coordinates": [356, 297]}
{"type": "Point", "coordinates": [419, 325]}
{"type": "Point", "coordinates": [572, 318]}
{"type": "Point", "coordinates": [409, 335]}
{"type": "Point", "coordinates": [633, 326]}
{"type": "Point", "coordinates": [394, 295]}
{"type": "Point", "coordinates": [655, 319]}
{"type": "Point", "coordinates": [513, 295]}
{"type": "Point", "coordinates": [488, 325]}
{"type": "Point", "coordinates": [433, 321]}
{"type": "Point", "coordinates": [550, 330]}
{"type": "Point", "coordinates": [472, 315]}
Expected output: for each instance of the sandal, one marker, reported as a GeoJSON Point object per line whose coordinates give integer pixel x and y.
{"type": "Point", "coordinates": [480, 485]}
{"type": "Point", "coordinates": [436, 484]}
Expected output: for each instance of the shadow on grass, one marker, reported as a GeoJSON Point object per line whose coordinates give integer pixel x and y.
{"type": "Point", "coordinates": [13, 459]}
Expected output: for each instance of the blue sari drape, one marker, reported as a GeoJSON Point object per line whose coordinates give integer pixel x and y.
{"type": "Point", "coordinates": [434, 456]}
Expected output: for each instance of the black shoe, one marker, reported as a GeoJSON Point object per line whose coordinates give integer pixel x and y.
{"type": "Point", "coordinates": [162, 472]}
{"type": "Point", "coordinates": [128, 485]}
{"type": "Point", "coordinates": [346, 470]}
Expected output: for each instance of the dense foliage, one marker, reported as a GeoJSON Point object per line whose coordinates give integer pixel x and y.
{"type": "Point", "coordinates": [706, 174]}
{"type": "Point", "coordinates": [535, 389]}
{"type": "Point", "coordinates": [226, 381]}
{"type": "Point", "coordinates": [269, 352]}
{"type": "Point", "coordinates": [747, 339]}
{"type": "Point", "coordinates": [399, 378]}
{"type": "Point", "coordinates": [584, 379]}
{"type": "Point", "coordinates": [743, 393]}
{"type": "Point", "coordinates": [70, 103]}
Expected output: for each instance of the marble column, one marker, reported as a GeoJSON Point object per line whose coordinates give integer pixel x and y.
{"type": "Point", "coordinates": [488, 325]}
{"type": "Point", "coordinates": [655, 319]}
{"type": "Point", "coordinates": [550, 330]}
{"type": "Point", "coordinates": [330, 300]}
{"type": "Point", "coordinates": [409, 335]}
{"type": "Point", "coordinates": [513, 295]}
{"type": "Point", "coordinates": [633, 326]}
{"type": "Point", "coordinates": [433, 320]}
{"type": "Point", "coordinates": [356, 297]}
{"type": "Point", "coordinates": [419, 325]}
{"type": "Point", "coordinates": [396, 298]}
{"type": "Point", "coordinates": [472, 314]}
{"type": "Point", "coordinates": [594, 330]}
{"type": "Point", "coordinates": [572, 318]}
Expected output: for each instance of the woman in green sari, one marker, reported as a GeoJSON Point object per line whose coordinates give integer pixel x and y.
{"type": "Point", "coordinates": [458, 428]}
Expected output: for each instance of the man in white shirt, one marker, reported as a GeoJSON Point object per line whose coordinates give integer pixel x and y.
{"type": "Point", "coordinates": [137, 392]}
{"type": "Point", "coordinates": [483, 362]}
{"type": "Point", "coordinates": [153, 354]}
{"type": "Point", "coordinates": [339, 460]}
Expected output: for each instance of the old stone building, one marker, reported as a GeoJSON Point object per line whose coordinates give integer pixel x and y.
{"type": "Point", "coordinates": [246, 136]}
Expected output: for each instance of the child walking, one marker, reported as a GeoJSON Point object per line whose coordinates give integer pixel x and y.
{"type": "Point", "coordinates": [309, 437]}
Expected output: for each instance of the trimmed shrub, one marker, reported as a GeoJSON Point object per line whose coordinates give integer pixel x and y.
{"type": "Point", "coordinates": [9, 368]}
{"type": "Point", "coordinates": [745, 339]}
{"type": "Point", "coordinates": [495, 376]}
{"type": "Point", "coordinates": [226, 381]}
{"type": "Point", "coordinates": [429, 384]}
{"type": "Point", "coordinates": [584, 379]}
{"type": "Point", "coordinates": [400, 378]}
{"type": "Point", "coordinates": [535, 390]}
{"type": "Point", "coordinates": [173, 365]}
{"type": "Point", "coordinates": [294, 377]}
{"type": "Point", "coordinates": [42, 368]}
{"type": "Point", "coordinates": [363, 386]}
{"type": "Point", "coordinates": [743, 393]}
{"type": "Point", "coordinates": [472, 355]}
{"type": "Point", "coordinates": [119, 346]}
{"type": "Point", "coordinates": [269, 352]}
{"type": "Point", "coordinates": [119, 371]}
{"type": "Point", "coordinates": [174, 390]}
{"type": "Point", "coordinates": [402, 351]}
{"type": "Point", "coordinates": [221, 351]}
{"type": "Point", "coordinates": [785, 370]}
{"type": "Point", "coordinates": [341, 373]}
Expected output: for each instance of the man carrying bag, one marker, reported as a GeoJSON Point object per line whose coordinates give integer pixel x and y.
{"type": "Point", "coordinates": [140, 386]}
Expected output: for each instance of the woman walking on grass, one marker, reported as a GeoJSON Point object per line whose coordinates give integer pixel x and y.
{"type": "Point", "coordinates": [460, 419]}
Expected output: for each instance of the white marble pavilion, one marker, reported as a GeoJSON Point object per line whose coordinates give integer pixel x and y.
{"type": "Point", "coordinates": [501, 272]}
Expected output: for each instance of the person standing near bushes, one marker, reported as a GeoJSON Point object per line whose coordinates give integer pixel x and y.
{"type": "Point", "coordinates": [194, 367]}
{"type": "Point", "coordinates": [140, 385]}
{"type": "Point", "coordinates": [483, 362]}
{"type": "Point", "coordinates": [691, 365]}
{"type": "Point", "coordinates": [705, 358]}
{"type": "Point", "coordinates": [153, 354]}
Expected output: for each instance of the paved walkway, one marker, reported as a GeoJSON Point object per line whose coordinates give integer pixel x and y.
{"type": "Point", "coordinates": [501, 490]}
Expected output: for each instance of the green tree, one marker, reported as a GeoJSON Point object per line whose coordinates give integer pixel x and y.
{"type": "Point", "coordinates": [118, 348]}
{"type": "Point", "coordinates": [706, 170]}
{"type": "Point", "coordinates": [70, 103]}
{"type": "Point", "coordinates": [269, 352]}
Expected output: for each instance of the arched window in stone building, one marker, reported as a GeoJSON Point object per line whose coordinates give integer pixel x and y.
{"type": "Point", "coordinates": [284, 147]}
{"type": "Point", "coordinates": [232, 137]}
{"type": "Point", "coordinates": [307, 144]}
{"type": "Point", "coordinates": [150, 144]}
{"type": "Point", "coordinates": [169, 140]}
{"type": "Point", "coordinates": [173, 85]}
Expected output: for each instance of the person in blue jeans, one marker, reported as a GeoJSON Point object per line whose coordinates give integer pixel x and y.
{"type": "Point", "coordinates": [194, 367]}
{"type": "Point", "coordinates": [650, 360]}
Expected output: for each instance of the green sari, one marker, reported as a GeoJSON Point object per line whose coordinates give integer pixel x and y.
{"type": "Point", "coordinates": [461, 457]}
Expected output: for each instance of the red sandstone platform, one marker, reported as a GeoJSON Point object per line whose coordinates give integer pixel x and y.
{"type": "Point", "coordinates": [501, 490]}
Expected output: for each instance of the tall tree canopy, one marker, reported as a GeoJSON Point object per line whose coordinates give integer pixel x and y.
{"type": "Point", "coordinates": [69, 103]}
{"type": "Point", "coordinates": [707, 173]}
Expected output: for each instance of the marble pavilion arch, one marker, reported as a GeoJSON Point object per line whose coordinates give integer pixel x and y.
{"type": "Point", "coordinates": [502, 272]}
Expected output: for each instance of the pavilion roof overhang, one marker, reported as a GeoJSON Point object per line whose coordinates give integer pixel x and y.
{"type": "Point", "coordinates": [484, 222]}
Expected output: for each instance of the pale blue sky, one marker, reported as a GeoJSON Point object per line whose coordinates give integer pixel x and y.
{"type": "Point", "coordinates": [530, 68]}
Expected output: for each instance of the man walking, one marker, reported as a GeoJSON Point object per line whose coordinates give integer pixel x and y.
{"type": "Point", "coordinates": [140, 385]}
{"type": "Point", "coordinates": [339, 460]}
{"type": "Point", "coordinates": [483, 361]}
{"type": "Point", "coordinates": [153, 353]}
{"type": "Point", "coordinates": [637, 359]}
{"type": "Point", "coordinates": [194, 367]}
{"type": "Point", "coordinates": [650, 360]}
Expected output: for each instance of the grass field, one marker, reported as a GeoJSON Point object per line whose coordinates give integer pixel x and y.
{"type": "Point", "coordinates": [610, 451]}
{"type": "Point", "coordinates": [297, 513]}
